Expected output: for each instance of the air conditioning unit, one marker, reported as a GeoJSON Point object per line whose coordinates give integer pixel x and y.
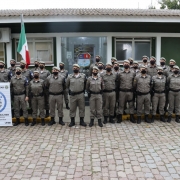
{"type": "Point", "coordinates": [5, 34]}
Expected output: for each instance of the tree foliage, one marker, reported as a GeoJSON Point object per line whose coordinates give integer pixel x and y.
{"type": "Point", "coordinates": [169, 4]}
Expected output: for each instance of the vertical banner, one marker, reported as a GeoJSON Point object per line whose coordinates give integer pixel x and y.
{"type": "Point", "coordinates": [5, 105]}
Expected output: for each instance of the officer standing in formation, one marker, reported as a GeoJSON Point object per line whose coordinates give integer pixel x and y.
{"type": "Point", "coordinates": [5, 74]}
{"type": "Point", "coordinates": [12, 69]}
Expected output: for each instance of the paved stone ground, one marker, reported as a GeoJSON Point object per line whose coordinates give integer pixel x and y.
{"type": "Point", "coordinates": [116, 151]}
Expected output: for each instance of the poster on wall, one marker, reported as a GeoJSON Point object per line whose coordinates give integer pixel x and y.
{"type": "Point", "coordinates": [84, 59]}
{"type": "Point", "coordinates": [5, 105]}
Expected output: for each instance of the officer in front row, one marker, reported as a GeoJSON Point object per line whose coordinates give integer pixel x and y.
{"type": "Point", "coordinates": [5, 74]}
{"type": "Point", "coordinates": [94, 87]}
{"type": "Point", "coordinates": [76, 83]}
{"type": "Point", "coordinates": [19, 89]}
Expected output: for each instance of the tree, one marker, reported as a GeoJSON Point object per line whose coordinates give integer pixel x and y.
{"type": "Point", "coordinates": [169, 4]}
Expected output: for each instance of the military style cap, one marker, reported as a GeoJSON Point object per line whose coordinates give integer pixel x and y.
{"type": "Point", "coordinates": [100, 63]}
{"type": "Point", "coordinates": [142, 66]}
{"type": "Point", "coordinates": [2, 62]}
{"type": "Point", "coordinates": [23, 61]}
{"type": "Point", "coordinates": [145, 57]}
{"type": "Point", "coordinates": [76, 65]}
{"type": "Point", "coordinates": [36, 72]}
{"type": "Point", "coordinates": [95, 67]}
{"type": "Point", "coordinates": [98, 56]}
{"type": "Point", "coordinates": [126, 61]}
{"type": "Point", "coordinates": [135, 62]}
{"type": "Point", "coordinates": [153, 58]}
{"type": "Point", "coordinates": [56, 68]}
{"type": "Point", "coordinates": [18, 69]}
{"type": "Point", "coordinates": [41, 62]}
{"type": "Point", "coordinates": [13, 60]}
{"type": "Point", "coordinates": [159, 68]}
{"type": "Point", "coordinates": [114, 58]}
{"type": "Point", "coordinates": [175, 67]}
{"type": "Point", "coordinates": [172, 60]}
{"type": "Point", "coordinates": [36, 60]}
{"type": "Point", "coordinates": [61, 63]}
{"type": "Point", "coordinates": [116, 62]}
{"type": "Point", "coordinates": [130, 59]}
{"type": "Point", "coordinates": [163, 58]}
{"type": "Point", "coordinates": [108, 64]}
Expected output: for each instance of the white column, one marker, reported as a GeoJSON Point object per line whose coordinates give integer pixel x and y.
{"type": "Point", "coordinates": [109, 49]}
{"type": "Point", "coordinates": [9, 52]}
{"type": "Point", "coordinates": [58, 50]}
{"type": "Point", "coordinates": [158, 49]}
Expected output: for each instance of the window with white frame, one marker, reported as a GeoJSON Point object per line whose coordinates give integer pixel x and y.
{"type": "Point", "coordinates": [132, 47]}
{"type": "Point", "coordinates": [2, 52]}
{"type": "Point", "coordinates": [39, 48]}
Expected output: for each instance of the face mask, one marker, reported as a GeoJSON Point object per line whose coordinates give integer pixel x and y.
{"type": "Point", "coordinates": [36, 76]}
{"type": "Point", "coordinates": [22, 66]}
{"type": "Point", "coordinates": [55, 73]}
{"type": "Point", "coordinates": [152, 62]}
{"type": "Point", "coordinates": [176, 72]}
{"type": "Point", "coordinates": [126, 66]}
{"type": "Point", "coordinates": [162, 63]}
{"type": "Point", "coordinates": [36, 65]}
{"type": "Point", "coordinates": [97, 59]}
{"type": "Point", "coordinates": [18, 73]}
{"type": "Point", "coordinates": [1, 66]}
{"type": "Point", "coordinates": [145, 60]}
{"type": "Point", "coordinates": [131, 63]}
{"type": "Point", "coordinates": [171, 65]}
{"type": "Point", "coordinates": [41, 67]}
{"type": "Point", "coordinates": [160, 73]}
{"type": "Point", "coordinates": [135, 67]}
{"type": "Point", "coordinates": [76, 70]}
{"type": "Point", "coordinates": [116, 68]}
{"type": "Point", "coordinates": [100, 67]}
{"type": "Point", "coordinates": [61, 67]}
{"type": "Point", "coordinates": [95, 74]}
{"type": "Point", "coordinates": [143, 71]}
{"type": "Point", "coordinates": [112, 62]}
{"type": "Point", "coordinates": [108, 69]}
{"type": "Point", "coordinates": [12, 65]}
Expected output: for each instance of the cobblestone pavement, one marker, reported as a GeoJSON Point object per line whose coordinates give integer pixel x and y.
{"type": "Point", "coordinates": [116, 151]}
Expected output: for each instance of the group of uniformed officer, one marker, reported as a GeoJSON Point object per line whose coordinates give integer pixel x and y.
{"type": "Point", "coordinates": [110, 89]}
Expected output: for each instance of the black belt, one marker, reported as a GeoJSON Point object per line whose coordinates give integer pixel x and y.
{"type": "Point", "coordinates": [17, 94]}
{"type": "Point", "coordinates": [55, 94]}
{"type": "Point", "coordinates": [95, 92]}
{"type": "Point", "coordinates": [159, 92]}
{"type": "Point", "coordinates": [140, 93]}
{"type": "Point", "coordinates": [37, 95]}
{"type": "Point", "coordinates": [126, 90]}
{"type": "Point", "coordinates": [175, 90]}
{"type": "Point", "coordinates": [109, 90]}
{"type": "Point", "coordinates": [75, 93]}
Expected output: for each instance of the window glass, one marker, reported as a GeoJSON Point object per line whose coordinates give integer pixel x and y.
{"type": "Point", "coordinates": [1, 51]}
{"type": "Point", "coordinates": [141, 49]}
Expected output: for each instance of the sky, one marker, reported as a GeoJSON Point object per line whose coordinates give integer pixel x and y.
{"type": "Point", "coordinates": [39, 4]}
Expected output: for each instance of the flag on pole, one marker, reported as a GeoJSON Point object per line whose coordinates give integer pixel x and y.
{"type": "Point", "coordinates": [22, 45]}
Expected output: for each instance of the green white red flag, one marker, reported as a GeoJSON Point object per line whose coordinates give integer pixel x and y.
{"type": "Point", "coordinates": [22, 45]}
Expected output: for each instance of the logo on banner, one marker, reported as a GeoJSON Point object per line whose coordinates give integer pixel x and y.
{"type": "Point", "coordinates": [84, 59]}
{"type": "Point", "coordinates": [3, 102]}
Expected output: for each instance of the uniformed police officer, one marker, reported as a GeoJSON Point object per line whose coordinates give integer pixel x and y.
{"type": "Point", "coordinates": [64, 73]}
{"type": "Point", "coordinates": [174, 94]}
{"type": "Point", "coordinates": [26, 72]}
{"type": "Point", "coordinates": [142, 85]}
{"type": "Point", "coordinates": [19, 89]}
{"type": "Point", "coordinates": [126, 79]}
{"type": "Point", "coordinates": [109, 94]}
{"type": "Point", "coordinates": [144, 61]}
{"type": "Point", "coordinates": [97, 59]}
{"type": "Point", "coordinates": [131, 61]}
{"type": "Point", "coordinates": [116, 69]}
{"type": "Point", "coordinates": [56, 85]}
{"type": "Point", "coordinates": [36, 66]}
{"type": "Point", "coordinates": [76, 83]}
{"type": "Point", "coordinates": [94, 87]}
{"type": "Point", "coordinates": [135, 68]}
{"type": "Point", "coordinates": [101, 71]}
{"type": "Point", "coordinates": [43, 74]}
{"type": "Point", "coordinates": [113, 60]}
{"type": "Point", "coordinates": [5, 74]}
{"type": "Point", "coordinates": [36, 91]}
{"type": "Point", "coordinates": [152, 68]}
{"type": "Point", "coordinates": [163, 64]}
{"type": "Point", "coordinates": [170, 70]}
{"type": "Point", "coordinates": [158, 87]}
{"type": "Point", "coordinates": [12, 69]}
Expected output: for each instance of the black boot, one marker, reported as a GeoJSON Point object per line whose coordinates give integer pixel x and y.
{"type": "Point", "coordinates": [82, 123]}
{"type": "Point", "coordinates": [47, 113]}
{"type": "Point", "coordinates": [91, 123]}
{"type": "Point", "coordinates": [139, 120]}
{"type": "Point", "coordinates": [72, 123]}
{"type": "Point", "coordinates": [132, 118]}
{"type": "Point", "coordinates": [105, 120]}
{"type": "Point", "coordinates": [152, 119]}
{"type": "Point", "coordinates": [61, 121]}
{"type": "Point", "coordinates": [67, 106]}
{"type": "Point", "coordinates": [26, 122]}
{"type": "Point", "coordinates": [162, 118]}
{"type": "Point", "coordinates": [119, 118]}
{"type": "Point", "coordinates": [147, 119]}
{"type": "Point", "coordinates": [111, 120]}
{"type": "Point", "coordinates": [42, 122]}
{"type": "Point", "coordinates": [100, 123]}
{"type": "Point", "coordinates": [169, 119]}
{"type": "Point", "coordinates": [34, 122]}
{"type": "Point", "coordinates": [51, 122]}
{"type": "Point", "coordinates": [177, 119]}
{"type": "Point", "coordinates": [17, 122]}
